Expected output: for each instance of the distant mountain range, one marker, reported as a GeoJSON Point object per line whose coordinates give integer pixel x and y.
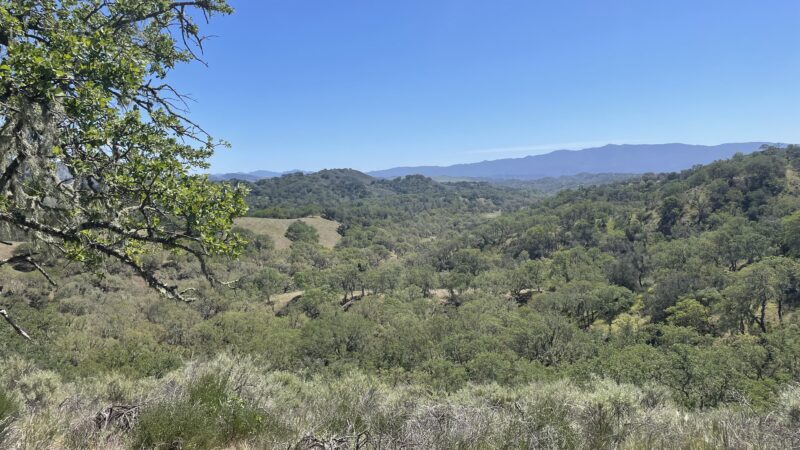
{"type": "Point", "coordinates": [250, 176]}
{"type": "Point", "coordinates": [609, 159]}
{"type": "Point", "coordinates": [617, 159]}
{"type": "Point", "coordinates": [245, 176]}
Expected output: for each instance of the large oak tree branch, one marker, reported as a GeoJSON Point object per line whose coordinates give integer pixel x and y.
{"type": "Point", "coordinates": [97, 156]}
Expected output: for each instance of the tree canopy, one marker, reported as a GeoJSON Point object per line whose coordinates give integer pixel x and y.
{"type": "Point", "coordinates": [98, 158]}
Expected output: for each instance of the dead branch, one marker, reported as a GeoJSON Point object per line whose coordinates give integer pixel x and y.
{"type": "Point", "coordinates": [16, 327]}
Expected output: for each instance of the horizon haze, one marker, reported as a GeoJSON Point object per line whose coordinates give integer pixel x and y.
{"type": "Point", "coordinates": [610, 158]}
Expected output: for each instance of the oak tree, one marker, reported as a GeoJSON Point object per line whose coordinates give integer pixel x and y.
{"type": "Point", "coordinates": [98, 157]}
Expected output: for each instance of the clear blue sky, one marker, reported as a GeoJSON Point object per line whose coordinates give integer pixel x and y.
{"type": "Point", "coordinates": [372, 84]}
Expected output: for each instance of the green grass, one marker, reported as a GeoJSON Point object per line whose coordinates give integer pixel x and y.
{"type": "Point", "coordinates": [9, 409]}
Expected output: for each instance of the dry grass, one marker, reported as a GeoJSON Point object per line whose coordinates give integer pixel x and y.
{"type": "Point", "coordinates": [6, 251]}
{"type": "Point", "coordinates": [276, 228]}
{"type": "Point", "coordinates": [441, 294]}
{"type": "Point", "coordinates": [281, 300]}
{"type": "Point", "coordinates": [356, 410]}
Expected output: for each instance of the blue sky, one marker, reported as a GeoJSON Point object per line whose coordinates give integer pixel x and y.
{"type": "Point", "coordinates": [370, 84]}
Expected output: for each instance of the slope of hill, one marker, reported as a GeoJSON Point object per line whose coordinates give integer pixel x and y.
{"type": "Point", "coordinates": [276, 229]}
{"type": "Point", "coordinates": [608, 159]}
{"type": "Point", "coordinates": [551, 185]}
{"type": "Point", "coordinates": [330, 192]}
{"type": "Point", "coordinates": [568, 304]}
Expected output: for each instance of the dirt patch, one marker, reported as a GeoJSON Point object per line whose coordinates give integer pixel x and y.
{"type": "Point", "coordinates": [7, 251]}
{"type": "Point", "coordinates": [281, 301]}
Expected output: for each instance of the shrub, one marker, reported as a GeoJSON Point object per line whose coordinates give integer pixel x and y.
{"type": "Point", "coordinates": [208, 415]}
{"type": "Point", "coordinates": [38, 388]}
{"type": "Point", "coordinates": [541, 421]}
{"type": "Point", "coordinates": [9, 408]}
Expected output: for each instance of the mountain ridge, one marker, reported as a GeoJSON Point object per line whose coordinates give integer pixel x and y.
{"type": "Point", "coordinates": [611, 158]}
{"type": "Point", "coordinates": [251, 176]}
{"type": "Point", "coordinates": [616, 159]}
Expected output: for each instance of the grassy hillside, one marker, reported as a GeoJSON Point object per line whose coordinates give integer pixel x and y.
{"type": "Point", "coordinates": [276, 229]}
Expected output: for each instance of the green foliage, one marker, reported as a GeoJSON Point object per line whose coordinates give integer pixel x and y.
{"type": "Point", "coordinates": [9, 409]}
{"type": "Point", "coordinates": [358, 410]}
{"type": "Point", "coordinates": [572, 293]}
{"type": "Point", "coordinates": [734, 242]}
{"type": "Point", "coordinates": [790, 229]}
{"type": "Point", "coordinates": [450, 315]}
{"type": "Point", "coordinates": [670, 211]}
{"type": "Point", "coordinates": [97, 161]}
{"type": "Point", "coordinates": [302, 232]}
{"type": "Point", "coordinates": [377, 211]}
{"type": "Point", "coordinates": [209, 415]}
{"type": "Point", "coordinates": [690, 313]}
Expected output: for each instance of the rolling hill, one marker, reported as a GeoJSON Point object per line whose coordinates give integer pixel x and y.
{"type": "Point", "coordinates": [332, 191]}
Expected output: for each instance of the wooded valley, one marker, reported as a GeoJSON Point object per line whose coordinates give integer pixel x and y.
{"type": "Point", "coordinates": [147, 304]}
{"type": "Point", "coordinates": [653, 312]}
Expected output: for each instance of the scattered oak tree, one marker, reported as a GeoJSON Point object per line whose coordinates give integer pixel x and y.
{"type": "Point", "coordinates": [302, 232]}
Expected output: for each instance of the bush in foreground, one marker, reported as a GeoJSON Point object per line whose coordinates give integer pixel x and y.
{"type": "Point", "coordinates": [208, 415]}
{"type": "Point", "coordinates": [233, 403]}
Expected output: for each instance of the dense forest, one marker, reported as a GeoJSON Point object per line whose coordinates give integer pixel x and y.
{"type": "Point", "coordinates": [653, 312]}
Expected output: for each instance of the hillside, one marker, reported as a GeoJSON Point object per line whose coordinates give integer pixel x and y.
{"type": "Point", "coordinates": [347, 195]}
{"type": "Point", "coordinates": [275, 229]}
{"type": "Point", "coordinates": [631, 159]}
{"type": "Point", "coordinates": [621, 297]}
{"type": "Point", "coordinates": [656, 297]}
{"type": "Point", "coordinates": [552, 185]}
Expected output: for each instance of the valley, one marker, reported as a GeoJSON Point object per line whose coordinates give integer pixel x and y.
{"type": "Point", "coordinates": [680, 288]}
{"type": "Point", "coordinates": [241, 225]}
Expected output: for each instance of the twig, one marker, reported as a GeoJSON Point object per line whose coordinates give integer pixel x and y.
{"type": "Point", "coordinates": [41, 270]}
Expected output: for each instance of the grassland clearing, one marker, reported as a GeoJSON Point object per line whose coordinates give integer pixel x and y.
{"type": "Point", "coordinates": [276, 229]}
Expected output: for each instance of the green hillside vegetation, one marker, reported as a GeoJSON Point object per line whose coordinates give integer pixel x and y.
{"type": "Point", "coordinates": [551, 185]}
{"type": "Point", "coordinates": [655, 312]}
{"type": "Point", "coordinates": [348, 194]}
{"type": "Point", "coordinates": [548, 185]}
